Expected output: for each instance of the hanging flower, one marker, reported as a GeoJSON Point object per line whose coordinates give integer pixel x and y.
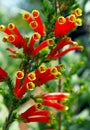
{"type": "Point", "coordinates": [54, 100]}
{"type": "Point", "coordinates": [56, 53]}
{"type": "Point", "coordinates": [3, 75]}
{"type": "Point", "coordinates": [35, 114]}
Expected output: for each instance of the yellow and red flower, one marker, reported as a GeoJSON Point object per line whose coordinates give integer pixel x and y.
{"type": "Point", "coordinates": [33, 114]}
{"type": "Point", "coordinates": [64, 25]}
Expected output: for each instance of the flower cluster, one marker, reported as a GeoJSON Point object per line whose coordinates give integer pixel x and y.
{"type": "Point", "coordinates": [28, 80]}
{"type": "Point", "coordinates": [37, 78]}
{"type": "Point", "coordinates": [65, 25]}
{"type": "Point", "coordinates": [35, 113]}
{"type": "Point", "coordinates": [62, 27]}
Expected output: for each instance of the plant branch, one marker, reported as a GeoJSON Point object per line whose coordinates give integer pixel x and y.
{"type": "Point", "coordinates": [8, 120]}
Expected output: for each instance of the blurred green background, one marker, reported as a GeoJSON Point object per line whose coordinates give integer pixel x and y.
{"type": "Point", "coordinates": [77, 64]}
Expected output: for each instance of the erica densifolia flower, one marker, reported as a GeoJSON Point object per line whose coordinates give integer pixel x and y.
{"type": "Point", "coordinates": [64, 25]}
{"type": "Point", "coordinates": [35, 114]}
{"type": "Point", "coordinates": [51, 100]}
{"type": "Point", "coordinates": [3, 75]}
{"type": "Point", "coordinates": [13, 35]}
{"type": "Point", "coordinates": [56, 53]}
{"type": "Point", "coordinates": [35, 21]}
{"type": "Point", "coordinates": [38, 77]}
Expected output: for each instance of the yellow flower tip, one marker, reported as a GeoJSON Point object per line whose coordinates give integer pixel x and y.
{"type": "Point", "coordinates": [30, 86]}
{"type": "Point", "coordinates": [5, 39]}
{"type": "Point", "coordinates": [72, 18]}
{"type": "Point", "coordinates": [78, 22]}
{"type": "Point", "coordinates": [66, 108]}
{"type": "Point", "coordinates": [11, 26]}
{"type": "Point", "coordinates": [36, 36]}
{"type": "Point", "coordinates": [61, 20]}
{"type": "Point", "coordinates": [2, 28]}
{"type": "Point", "coordinates": [77, 12]}
{"type": "Point", "coordinates": [31, 76]}
{"type": "Point", "coordinates": [35, 13]}
{"type": "Point", "coordinates": [50, 42]}
{"type": "Point", "coordinates": [58, 75]}
{"type": "Point", "coordinates": [53, 70]}
{"type": "Point", "coordinates": [42, 68]}
{"type": "Point", "coordinates": [81, 48]}
{"type": "Point", "coordinates": [26, 15]}
{"type": "Point", "coordinates": [68, 39]}
{"type": "Point", "coordinates": [74, 44]}
{"type": "Point", "coordinates": [19, 74]}
{"type": "Point", "coordinates": [11, 38]}
{"type": "Point", "coordinates": [33, 24]}
{"type": "Point", "coordinates": [38, 106]}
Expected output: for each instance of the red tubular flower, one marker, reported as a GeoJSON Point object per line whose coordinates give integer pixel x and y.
{"type": "Point", "coordinates": [69, 25]}
{"type": "Point", "coordinates": [27, 17]}
{"type": "Point", "coordinates": [65, 25]}
{"type": "Point", "coordinates": [66, 51]}
{"type": "Point", "coordinates": [46, 75]}
{"type": "Point", "coordinates": [30, 47]}
{"type": "Point", "coordinates": [61, 44]}
{"type": "Point", "coordinates": [11, 50]}
{"type": "Point", "coordinates": [16, 40]}
{"type": "Point", "coordinates": [25, 114]}
{"type": "Point", "coordinates": [55, 105]}
{"type": "Point", "coordinates": [50, 77]}
{"type": "Point", "coordinates": [43, 119]}
{"type": "Point", "coordinates": [3, 75]}
{"type": "Point", "coordinates": [33, 114]}
{"type": "Point", "coordinates": [59, 26]}
{"type": "Point", "coordinates": [40, 28]}
{"type": "Point", "coordinates": [46, 43]}
{"type": "Point", "coordinates": [27, 85]}
{"type": "Point", "coordinates": [19, 77]}
{"type": "Point", "coordinates": [61, 96]}
{"type": "Point", "coordinates": [5, 29]}
{"type": "Point", "coordinates": [12, 27]}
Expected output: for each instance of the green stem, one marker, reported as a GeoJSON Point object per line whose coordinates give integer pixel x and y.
{"type": "Point", "coordinates": [8, 119]}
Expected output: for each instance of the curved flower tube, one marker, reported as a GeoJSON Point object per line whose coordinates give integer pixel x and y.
{"type": "Point", "coordinates": [46, 43]}
{"type": "Point", "coordinates": [19, 77]}
{"type": "Point", "coordinates": [55, 105]}
{"type": "Point", "coordinates": [59, 26]}
{"type": "Point", "coordinates": [66, 51]}
{"type": "Point", "coordinates": [33, 114]}
{"type": "Point", "coordinates": [65, 25]}
{"type": "Point", "coordinates": [60, 45]}
{"type": "Point", "coordinates": [56, 96]}
{"type": "Point", "coordinates": [40, 28]}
